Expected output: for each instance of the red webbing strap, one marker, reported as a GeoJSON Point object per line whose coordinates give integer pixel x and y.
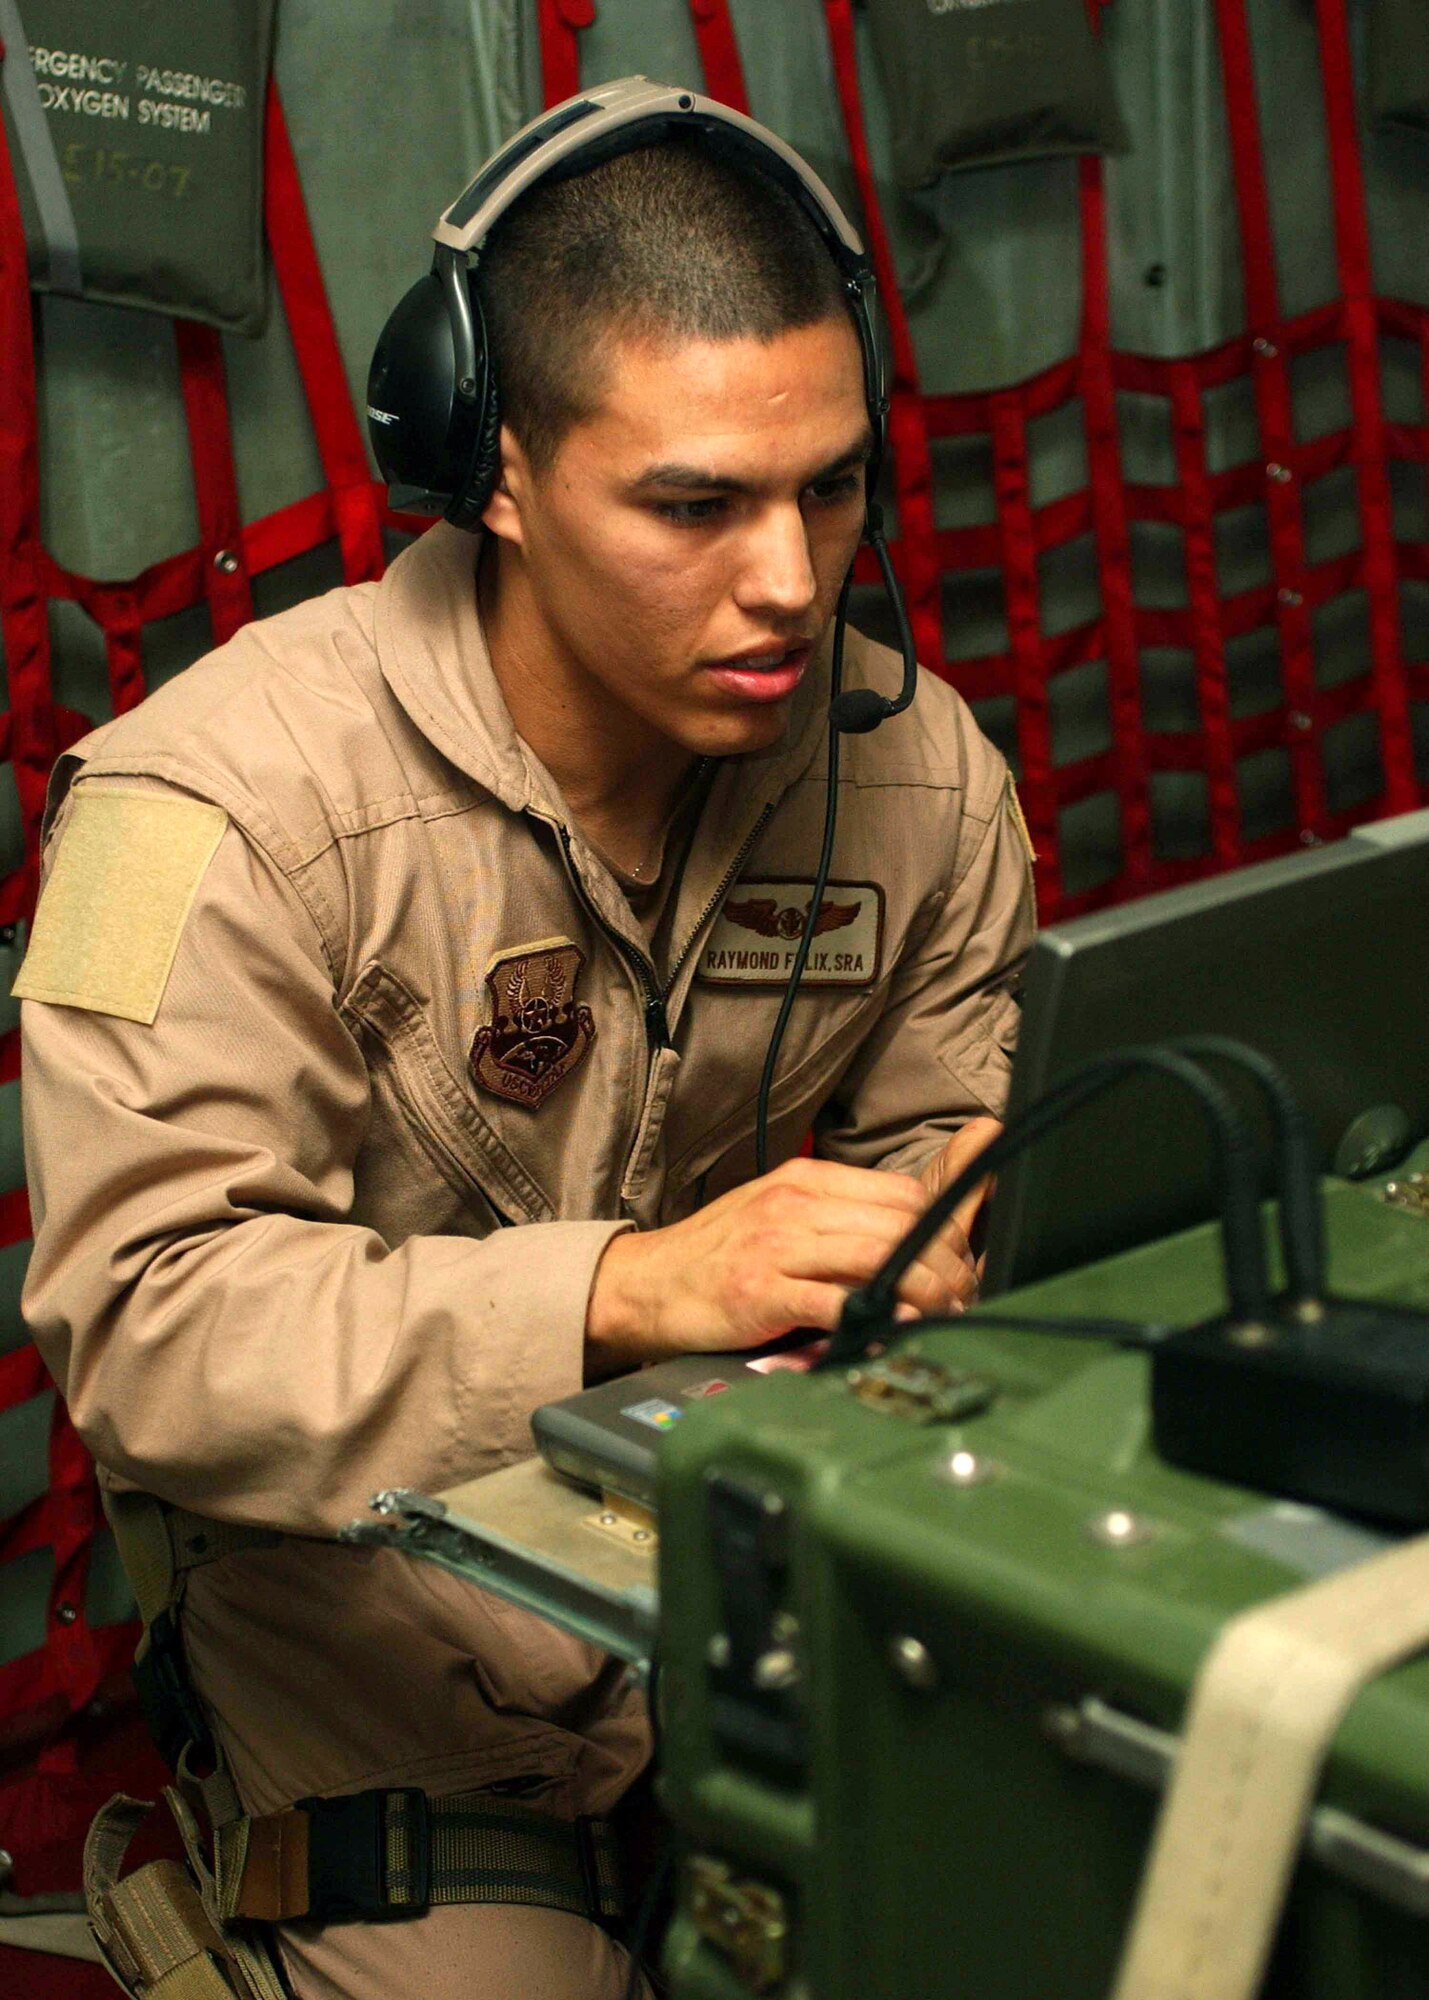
{"type": "Point", "coordinates": [1275, 410]}
{"type": "Point", "coordinates": [1367, 407]}
{"type": "Point", "coordinates": [24, 612]}
{"type": "Point", "coordinates": [1112, 535]}
{"type": "Point", "coordinates": [124, 649]}
{"type": "Point", "coordinates": [1011, 482]}
{"type": "Point", "coordinates": [230, 601]}
{"type": "Point", "coordinates": [719, 53]}
{"type": "Point", "coordinates": [560, 23]}
{"type": "Point", "coordinates": [64, 1518]}
{"type": "Point", "coordinates": [1188, 424]}
{"type": "Point", "coordinates": [916, 553]}
{"type": "Point", "coordinates": [356, 497]}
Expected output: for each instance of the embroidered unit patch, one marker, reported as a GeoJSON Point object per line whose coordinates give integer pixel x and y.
{"type": "Point", "coordinates": [756, 935]}
{"type": "Point", "coordinates": [539, 1032]}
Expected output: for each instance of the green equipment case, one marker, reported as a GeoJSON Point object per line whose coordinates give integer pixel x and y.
{"type": "Point", "coordinates": [927, 1634]}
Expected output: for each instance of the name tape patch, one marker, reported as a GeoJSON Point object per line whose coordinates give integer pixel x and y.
{"type": "Point", "coordinates": [756, 934]}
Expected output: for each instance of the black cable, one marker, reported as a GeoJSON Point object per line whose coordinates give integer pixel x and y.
{"type": "Point", "coordinates": [862, 709]}
{"type": "Point", "coordinates": [649, 1903]}
{"type": "Point", "coordinates": [660, 1874]}
{"type": "Point", "coordinates": [868, 1312]}
{"type": "Point", "coordinates": [1302, 1222]}
{"type": "Point", "coordinates": [1124, 1332]}
{"type": "Point", "coordinates": [816, 898]}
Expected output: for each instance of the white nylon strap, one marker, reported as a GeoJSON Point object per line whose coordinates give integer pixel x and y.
{"type": "Point", "coordinates": [1266, 1706]}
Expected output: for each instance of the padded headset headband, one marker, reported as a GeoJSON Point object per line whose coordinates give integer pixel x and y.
{"type": "Point", "coordinates": [433, 409]}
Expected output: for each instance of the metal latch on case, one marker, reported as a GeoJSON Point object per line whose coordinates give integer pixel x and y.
{"type": "Point", "coordinates": [747, 1922]}
{"type": "Point", "coordinates": [924, 1392]}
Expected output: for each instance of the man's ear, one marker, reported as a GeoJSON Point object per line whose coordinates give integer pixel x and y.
{"type": "Point", "coordinates": [503, 512]}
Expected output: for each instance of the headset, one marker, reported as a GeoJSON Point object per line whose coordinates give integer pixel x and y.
{"type": "Point", "coordinates": [434, 404]}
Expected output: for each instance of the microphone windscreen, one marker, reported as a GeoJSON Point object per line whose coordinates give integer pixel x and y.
{"type": "Point", "coordinates": [858, 711]}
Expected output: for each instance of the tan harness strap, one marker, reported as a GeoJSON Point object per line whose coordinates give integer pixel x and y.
{"type": "Point", "coordinates": [159, 1544]}
{"type": "Point", "coordinates": [1266, 1706]}
{"type": "Point", "coordinates": [153, 1929]}
{"type": "Point", "coordinates": [388, 1854]}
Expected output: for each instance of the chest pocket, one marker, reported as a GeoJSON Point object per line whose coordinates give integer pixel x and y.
{"type": "Point", "coordinates": [708, 1158]}
{"type": "Point", "coordinates": [419, 1104]}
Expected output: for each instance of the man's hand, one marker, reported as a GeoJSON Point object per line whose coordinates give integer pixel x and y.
{"type": "Point", "coordinates": [960, 1152]}
{"type": "Point", "coordinates": [779, 1252]}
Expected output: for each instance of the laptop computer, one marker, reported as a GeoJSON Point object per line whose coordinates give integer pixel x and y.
{"type": "Point", "coordinates": [1317, 959]}
{"type": "Point", "coordinates": [606, 1438]}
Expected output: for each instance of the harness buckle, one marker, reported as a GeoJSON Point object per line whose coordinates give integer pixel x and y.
{"type": "Point", "coordinates": [369, 1855]}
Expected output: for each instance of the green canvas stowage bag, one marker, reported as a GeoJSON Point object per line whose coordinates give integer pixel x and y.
{"type": "Point", "coordinates": [973, 82]}
{"type": "Point", "coordinates": [136, 135]}
{"type": "Point", "coordinates": [1399, 63]}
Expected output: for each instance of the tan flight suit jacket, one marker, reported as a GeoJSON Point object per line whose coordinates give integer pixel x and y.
{"type": "Point", "coordinates": [328, 1222]}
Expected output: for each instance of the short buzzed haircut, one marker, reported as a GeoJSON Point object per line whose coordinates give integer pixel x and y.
{"type": "Point", "coordinates": [669, 242]}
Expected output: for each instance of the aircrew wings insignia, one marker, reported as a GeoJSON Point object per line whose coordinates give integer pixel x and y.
{"type": "Point", "coordinates": [764, 916]}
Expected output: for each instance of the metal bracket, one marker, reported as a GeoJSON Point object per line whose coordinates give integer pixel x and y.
{"type": "Point", "coordinates": [924, 1392]}
{"type": "Point", "coordinates": [626, 1521]}
{"type": "Point", "coordinates": [1393, 1870]}
{"type": "Point", "coordinates": [521, 1533]}
{"type": "Point", "coordinates": [745, 1921]}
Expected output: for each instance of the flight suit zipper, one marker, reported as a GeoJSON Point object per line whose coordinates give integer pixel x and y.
{"type": "Point", "coordinates": [657, 1026]}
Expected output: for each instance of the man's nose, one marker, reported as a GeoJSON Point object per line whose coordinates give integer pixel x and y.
{"type": "Point", "coordinates": [778, 576]}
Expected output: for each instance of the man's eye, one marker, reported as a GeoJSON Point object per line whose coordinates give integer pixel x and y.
{"type": "Point", "coordinates": [828, 491]}
{"type": "Point", "coordinates": [689, 513]}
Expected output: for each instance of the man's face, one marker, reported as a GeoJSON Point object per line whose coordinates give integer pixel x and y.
{"type": "Point", "coordinates": [686, 548]}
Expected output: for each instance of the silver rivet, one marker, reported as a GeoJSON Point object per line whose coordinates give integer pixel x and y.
{"type": "Point", "coordinates": [717, 1651]}
{"type": "Point", "coordinates": [609, 1520]}
{"type": "Point", "coordinates": [66, 1614]}
{"type": "Point", "coordinates": [1281, 474]}
{"type": "Point", "coordinates": [1292, 598]}
{"type": "Point", "coordinates": [226, 560]}
{"type": "Point", "coordinates": [775, 1670]}
{"type": "Point", "coordinates": [1119, 1528]}
{"type": "Point", "coordinates": [967, 1468]}
{"type": "Point", "coordinates": [913, 1663]}
{"type": "Point", "coordinates": [640, 1535]}
{"type": "Point", "coordinates": [1265, 348]}
{"type": "Point", "coordinates": [1254, 1333]}
{"type": "Point", "coordinates": [1300, 720]}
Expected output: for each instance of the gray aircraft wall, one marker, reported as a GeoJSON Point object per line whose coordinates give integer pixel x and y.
{"type": "Point", "coordinates": [391, 108]}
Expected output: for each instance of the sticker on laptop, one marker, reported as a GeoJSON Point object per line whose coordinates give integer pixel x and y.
{"type": "Point", "coordinates": [655, 1412]}
{"type": "Point", "coordinates": [700, 1392]}
{"type": "Point", "coordinates": [756, 934]}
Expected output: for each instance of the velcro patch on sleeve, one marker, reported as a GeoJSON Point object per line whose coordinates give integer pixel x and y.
{"type": "Point", "coordinates": [118, 896]}
{"type": "Point", "coordinates": [756, 935]}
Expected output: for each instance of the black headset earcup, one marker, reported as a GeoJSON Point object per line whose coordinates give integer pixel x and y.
{"type": "Point", "coordinates": [421, 430]}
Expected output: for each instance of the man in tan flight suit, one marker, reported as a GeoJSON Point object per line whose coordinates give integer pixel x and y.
{"type": "Point", "coordinates": [398, 997]}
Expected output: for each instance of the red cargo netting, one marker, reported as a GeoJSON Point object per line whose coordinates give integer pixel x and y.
{"type": "Point", "coordinates": [40, 1690]}
{"type": "Point", "coordinates": [350, 508]}
{"type": "Point", "coordinates": [1101, 516]}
